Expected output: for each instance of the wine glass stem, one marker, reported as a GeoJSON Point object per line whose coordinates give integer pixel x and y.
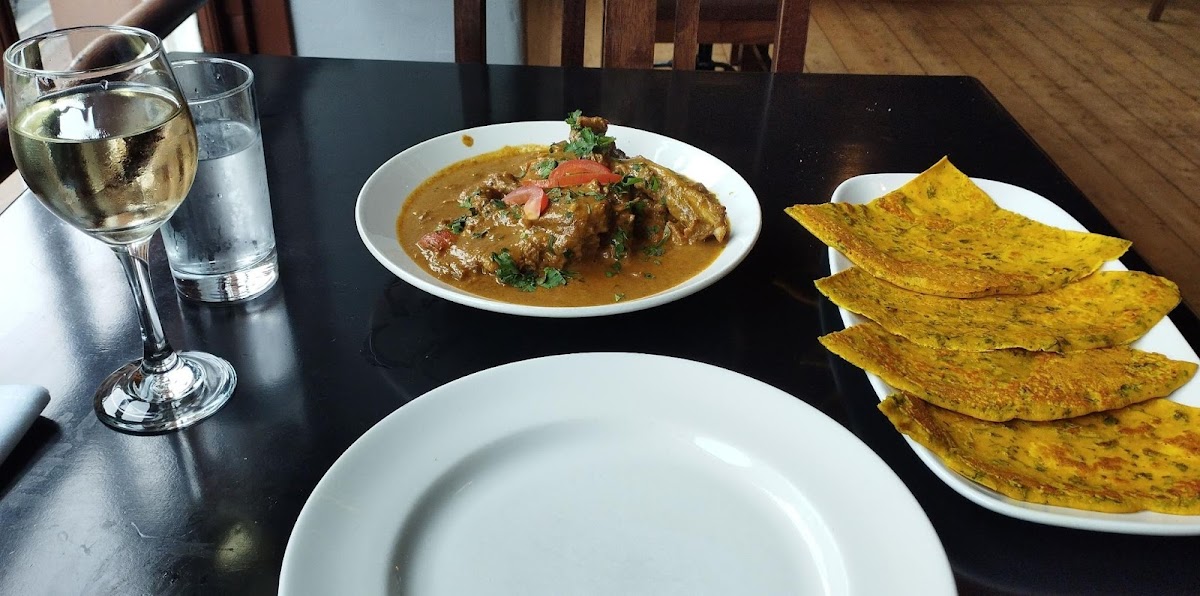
{"type": "Point", "coordinates": [157, 354]}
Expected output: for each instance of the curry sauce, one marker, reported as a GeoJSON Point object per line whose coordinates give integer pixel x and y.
{"type": "Point", "coordinates": [609, 228]}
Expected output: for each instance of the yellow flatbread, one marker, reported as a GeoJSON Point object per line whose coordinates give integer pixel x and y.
{"type": "Point", "coordinates": [941, 192]}
{"type": "Point", "coordinates": [941, 234]}
{"type": "Point", "coordinates": [1108, 308]}
{"type": "Point", "coordinates": [1142, 457]}
{"type": "Point", "coordinates": [1004, 384]}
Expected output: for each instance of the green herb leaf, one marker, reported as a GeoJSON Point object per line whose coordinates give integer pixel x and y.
{"type": "Point", "coordinates": [456, 226]}
{"type": "Point", "coordinates": [627, 183]}
{"type": "Point", "coordinates": [551, 278]}
{"type": "Point", "coordinates": [550, 245]}
{"type": "Point", "coordinates": [573, 118]}
{"type": "Point", "coordinates": [620, 244]}
{"type": "Point", "coordinates": [588, 142]}
{"type": "Point", "coordinates": [544, 167]}
{"type": "Point", "coordinates": [657, 249]}
{"type": "Point", "coordinates": [509, 274]}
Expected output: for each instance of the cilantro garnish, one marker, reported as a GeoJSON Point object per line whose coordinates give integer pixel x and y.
{"type": "Point", "coordinates": [656, 250]}
{"type": "Point", "coordinates": [619, 242]}
{"type": "Point", "coordinates": [544, 167]}
{"type": "Point", "coordinates": [509, 274]}
{"type": "Point", "coordinates": [626, 183]}
{"type": "Point", "coordinates": [588, 142]}
{"type": "Point", "coordinates": [551, 278]}
{"type": "Point", "coordinates": [456, 226]}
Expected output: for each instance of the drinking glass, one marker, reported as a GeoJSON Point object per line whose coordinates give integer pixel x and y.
{"type": "Point", "coordinates": [220, 244]}
{"type": "Point", "coordinates": [103, 137]}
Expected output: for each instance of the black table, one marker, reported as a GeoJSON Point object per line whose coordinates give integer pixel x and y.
{"type": "Point", "coordinates": [340, 342]}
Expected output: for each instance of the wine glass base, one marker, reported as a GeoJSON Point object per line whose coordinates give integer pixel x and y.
{"type": "Point", "coordinates": [133, 401]}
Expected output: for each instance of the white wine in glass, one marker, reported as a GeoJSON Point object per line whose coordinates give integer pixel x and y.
{"type": "Point", "coordinates": [102, 136]}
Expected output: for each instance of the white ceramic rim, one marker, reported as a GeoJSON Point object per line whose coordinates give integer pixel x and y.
{"type": "Point", "coordinates": [884, 543]}
{"type": "Point", "coordinates": [1164, 338]}
{"type": "Point", "coordinates": [734, 192]}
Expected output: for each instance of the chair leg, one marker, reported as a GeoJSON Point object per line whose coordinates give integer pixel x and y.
{"type": "Point", "coordinates": [1156, 10]}
{"type": "Point", "coordinates": [756, 58]}
{"type": "Point", "coordinates": [704, 59]}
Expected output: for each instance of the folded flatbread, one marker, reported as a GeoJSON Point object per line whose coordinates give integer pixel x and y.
{"type": "Point", "coordinates": [1001, 385]}
{"type": "Point", "coordinates": [941, 234]}
{"type": "Point", "coordinates": [1108, 308]}
{"type": "Point", "coordinates": [1142, 457]}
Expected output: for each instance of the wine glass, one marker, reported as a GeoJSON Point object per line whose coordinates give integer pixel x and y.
{"type": "Point", "coordinates": [103, 137]}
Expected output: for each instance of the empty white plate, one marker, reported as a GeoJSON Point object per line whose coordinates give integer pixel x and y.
{"type": "Point", "coordinates": [611, 474]}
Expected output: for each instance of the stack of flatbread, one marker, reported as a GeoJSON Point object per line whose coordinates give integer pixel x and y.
{"type": "Point", "coordinates": [1008, 348]}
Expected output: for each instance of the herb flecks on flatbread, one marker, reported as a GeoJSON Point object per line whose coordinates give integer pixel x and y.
{"type": "Point", "coordinates": [1001, 385]}
{"type": "Point", "coordinates": [941, 234]}
{"type": "Point", "coordinates": [1142, 457]}
{"type": "Point", "coordinates": [1108, 308]}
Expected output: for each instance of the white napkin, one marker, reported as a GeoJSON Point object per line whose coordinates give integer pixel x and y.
{"type": "Point", "coordinates": [19, 407]}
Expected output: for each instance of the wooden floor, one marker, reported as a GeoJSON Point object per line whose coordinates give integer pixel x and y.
{"type": "Point", "coordinates": [1112, 97]}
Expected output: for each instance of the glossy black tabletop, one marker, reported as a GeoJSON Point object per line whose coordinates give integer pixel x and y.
{"type": "Point", "coordinates": [340, 342]}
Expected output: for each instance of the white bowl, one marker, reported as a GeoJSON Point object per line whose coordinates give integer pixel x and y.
{"type": "Point", "coordinates": [385, 191]}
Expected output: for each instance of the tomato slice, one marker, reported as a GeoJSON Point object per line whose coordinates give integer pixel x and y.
{"type": "Point", "coordinates": [436, 241]}
{"type": "Point", "coordinates": [523, 195]}
{"type": "Point", "coordinates": [536, 205]}
{"type": "Point", "coordinates": [577, 172]}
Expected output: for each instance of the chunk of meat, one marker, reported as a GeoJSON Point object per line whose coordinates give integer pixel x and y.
{"type": "Point", "coordinates": [696, 215]}
{"type": "Point", "coordinates": [573, 228]}
{"type": "Point", "coordinates": [493, 188]}
{"type": "Point", "coordinates": [596, 124]}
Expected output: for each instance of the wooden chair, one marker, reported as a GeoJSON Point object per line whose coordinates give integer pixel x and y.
{"type": "Point", "coordinates": [749, 26]}
{"type": "Point", "coordinates": [1156, 10]}
{"type": "Point", "coordinates": [631, 27]}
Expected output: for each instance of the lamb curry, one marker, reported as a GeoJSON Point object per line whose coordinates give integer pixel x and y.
{"type": "Point", "coordinates": [577, 223]}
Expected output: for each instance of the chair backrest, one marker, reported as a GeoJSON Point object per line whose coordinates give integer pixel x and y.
{"type": "Point", "coordinates": [629, 33]}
